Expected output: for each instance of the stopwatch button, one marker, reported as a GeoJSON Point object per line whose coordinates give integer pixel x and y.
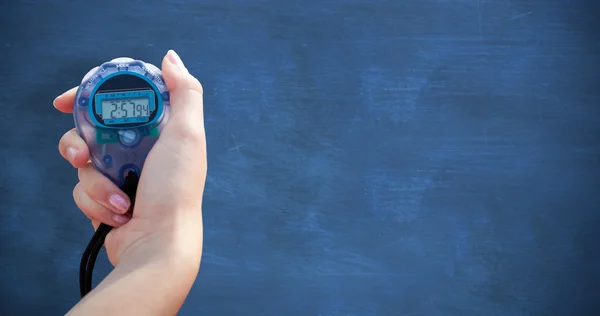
{"type": "Point", "coordinates": [128, 137]}
{"type": "Point", "coordinates": [121, 60]}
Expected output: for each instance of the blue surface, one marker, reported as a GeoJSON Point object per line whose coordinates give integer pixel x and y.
{"type": "Point", "coordinates": [418, 157]}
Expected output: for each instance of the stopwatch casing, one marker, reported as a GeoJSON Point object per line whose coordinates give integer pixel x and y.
{"type": "Point", "coordinates": [120, 110]}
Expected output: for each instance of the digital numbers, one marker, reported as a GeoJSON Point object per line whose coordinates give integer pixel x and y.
{"type": "Point", "coordinates": [127, 108]}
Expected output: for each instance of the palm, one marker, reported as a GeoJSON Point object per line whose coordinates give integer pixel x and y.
{"type": "Point", "coordinates": [152, 205]}
{"type": "Point", "coordinates": [121, 239]}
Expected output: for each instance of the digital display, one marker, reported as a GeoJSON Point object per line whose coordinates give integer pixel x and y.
{"type": "Point", "coordinates": [125, 107]}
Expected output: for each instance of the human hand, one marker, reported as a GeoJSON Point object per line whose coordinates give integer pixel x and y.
{"type": "Point", "coordinates": [167, 216]}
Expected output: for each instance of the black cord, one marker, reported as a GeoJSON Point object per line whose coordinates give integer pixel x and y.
{"type": "Point", "coordinates": [88, 260]}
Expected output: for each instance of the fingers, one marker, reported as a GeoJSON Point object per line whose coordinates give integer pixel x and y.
{"type": "Point", "coordinates": [185, 91]}
{"type": "Point", "coordinates": [102, 190]}
{"type": "Point", "coordinates": [74, 149]}
{"type": "Point", "coordinates": [94, 210]}
{"type": "Point", "coordinates": [179, 155]}
{"type": "Point", "coordinates": [64, 102]}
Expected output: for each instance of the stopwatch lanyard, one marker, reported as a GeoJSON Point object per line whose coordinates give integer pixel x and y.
{"type": "Point", "coordinates": [88, 260]}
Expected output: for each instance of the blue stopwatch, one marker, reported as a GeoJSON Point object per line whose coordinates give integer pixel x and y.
{"type": "Point", "coordinates": [120, 109]}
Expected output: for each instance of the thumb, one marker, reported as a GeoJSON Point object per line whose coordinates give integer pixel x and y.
{"type": "Point", "coordinates": [185, 92]}
{"type": "Point", "coordinates": [175, 168]}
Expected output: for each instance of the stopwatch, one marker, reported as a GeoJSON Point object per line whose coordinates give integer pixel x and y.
{"type": "Point", "coordinates": [120, 110]}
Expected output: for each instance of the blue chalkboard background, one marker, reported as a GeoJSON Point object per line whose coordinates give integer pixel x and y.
{"type": "Point", "coordinates": [418, 157]}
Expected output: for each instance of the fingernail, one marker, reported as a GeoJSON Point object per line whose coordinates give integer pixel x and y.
{"type": "Point", "coordinates": [174, 58]}
{"type": "Point", "coordinates": [121, 219]}
{"type": "Point", "coordinates": [119, 202]}
{"type": "Point", "coordinates": [71, 154]}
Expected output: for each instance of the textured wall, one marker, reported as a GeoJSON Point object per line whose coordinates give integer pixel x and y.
{"type": "Point", "coordinates": [418, 157]}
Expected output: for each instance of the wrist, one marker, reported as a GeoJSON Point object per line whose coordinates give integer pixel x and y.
{"type": "Point", "coordinates": [152, 278]}
{"type": "Point", "coordinates": [172, 271]}
{"type": "Point", "coordinates": [175, 243]}
{"type": "Point", "coordinates": [180, 236]}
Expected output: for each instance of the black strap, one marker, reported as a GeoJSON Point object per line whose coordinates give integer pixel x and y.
{"type": "Point", "coordinates": [88, 260]}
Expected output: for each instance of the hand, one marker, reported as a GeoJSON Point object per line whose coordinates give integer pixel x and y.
{"type": "Point", "coordinates": [167, 217]}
